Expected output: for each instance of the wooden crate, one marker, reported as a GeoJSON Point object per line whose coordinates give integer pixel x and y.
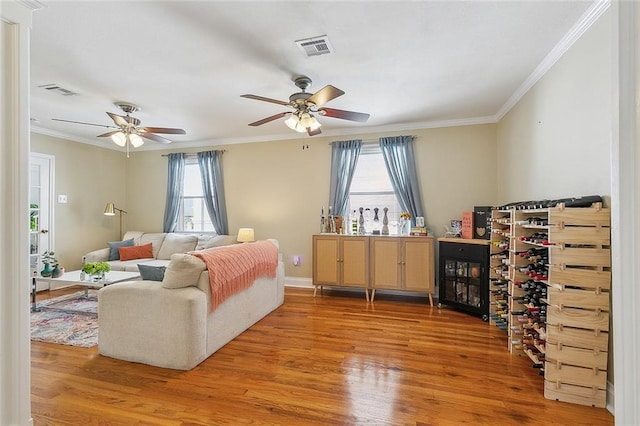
{"type": "Point", "coordinates": [577, 337]}
{"type": "Point", "coordinates": [578, 298]}
{"type": "Point", "coordinates": [596, 236]}
{"type": "Point", "coordinates": [577, 277]}
{"type": "Point", "coordinates": [588, 358]}
{"type": "Point", "coordinates": [580, 216]}
{"type": "Point", "coordinates": [575, 394]}
{"type": "Point", "coordinates": [572, 375]}
{"type": "Point", "coordinates": [579, 318]}
{"type": "Point", "coordinates": [571, 256]}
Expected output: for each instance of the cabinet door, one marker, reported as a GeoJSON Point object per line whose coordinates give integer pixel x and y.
{"type": "Point", "coordinates": [418, 264]}
{"type": "Point", "coordinates": [325, 260]}
{"type": "Point", "coordinates": [354, 260]}
{"type": "Point", "coordinates": [386, 268]}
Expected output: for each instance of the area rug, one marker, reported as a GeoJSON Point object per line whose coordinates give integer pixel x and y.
{"type": "Point", "coordinates": [61, 326]}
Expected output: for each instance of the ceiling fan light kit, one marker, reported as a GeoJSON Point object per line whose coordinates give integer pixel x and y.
{"type": "Point", "coordinates": [128, 132]}
{"type": "Point", "coordinates": [302, 121]}
{"type": "Point", "coordinates": [305, 105]}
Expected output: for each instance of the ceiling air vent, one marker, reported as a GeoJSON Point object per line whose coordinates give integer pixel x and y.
{"type": "Point", "coordinates": [57, 89]}
{"type": "Point", "coordinates": [315, 46]}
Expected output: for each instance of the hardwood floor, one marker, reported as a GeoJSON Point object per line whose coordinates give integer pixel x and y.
{"type": "Point", "coordinates": [329, 360]}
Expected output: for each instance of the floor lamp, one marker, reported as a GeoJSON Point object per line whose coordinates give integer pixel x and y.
{"type": "Point", "coordinates": [110, 210]}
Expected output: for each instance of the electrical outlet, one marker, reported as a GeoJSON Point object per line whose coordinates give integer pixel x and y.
{"type": "Point", "coordinates": [62, 199]}
{"type": "Point", "coordinates": [297, 260]}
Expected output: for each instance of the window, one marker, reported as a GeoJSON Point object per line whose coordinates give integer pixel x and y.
{"type": "Point", "coordinates": [193, 216]}
{"type": "Point", "coordinates": [371, 187]}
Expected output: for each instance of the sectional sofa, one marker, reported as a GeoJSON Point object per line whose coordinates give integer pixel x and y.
{"type": "Point", "coordinates": [173, 323]}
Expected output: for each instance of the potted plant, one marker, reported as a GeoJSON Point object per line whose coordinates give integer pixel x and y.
{"type": "Point", "coordinates": [96, 270]}
{"type": "Point", "coordinates": [50, 263]}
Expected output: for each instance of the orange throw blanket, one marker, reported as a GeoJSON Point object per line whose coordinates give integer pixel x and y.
{"type": "Point", "coordinates": [233, 268]}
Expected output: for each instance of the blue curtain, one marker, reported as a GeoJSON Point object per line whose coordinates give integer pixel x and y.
{"type": "Point", "coordinates": [401, 166]}
{"type": "Point", "coordinates": [175, 180]}
{"type": "Point", "coordinates": [344, 157]}
{"type": "Point", "coordinates": [213, 188]}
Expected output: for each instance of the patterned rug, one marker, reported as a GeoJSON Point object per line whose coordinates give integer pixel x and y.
{"type": "Point", "coordinates": [65, 327]}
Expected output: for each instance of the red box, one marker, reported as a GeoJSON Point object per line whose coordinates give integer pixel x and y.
{"type": "Point", "coordinates": [467, 225]}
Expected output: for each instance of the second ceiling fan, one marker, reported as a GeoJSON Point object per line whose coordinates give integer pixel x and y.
{"type": "Point", "coordinates": [305, 105]}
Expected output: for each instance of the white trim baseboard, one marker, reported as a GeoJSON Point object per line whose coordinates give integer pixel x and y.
{"type": "Point", "coordinates": [298, 282]}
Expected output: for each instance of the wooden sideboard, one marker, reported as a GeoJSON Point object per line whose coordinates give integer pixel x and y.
{"type": "Point", "coordinates": [374, 262]}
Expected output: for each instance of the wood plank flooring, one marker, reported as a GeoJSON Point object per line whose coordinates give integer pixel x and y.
{"type": "Point", "coordinates": [330, 360]}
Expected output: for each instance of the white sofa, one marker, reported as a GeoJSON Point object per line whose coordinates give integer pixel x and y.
{"type": "Point", "coordinates": [163, 246]}
{"type": "Point", "coordinates": [142, 321]}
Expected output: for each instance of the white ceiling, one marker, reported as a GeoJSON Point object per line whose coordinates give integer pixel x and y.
{"type": "Point", "coordinates": [410, 64]}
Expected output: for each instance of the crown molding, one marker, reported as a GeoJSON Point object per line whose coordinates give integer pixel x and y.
{"type": "Point", "coordinates": [280, 137]}
{"type": "Point", "coordinates": [597, 9]}
{"type": "Point", "coordinates": [32, 4]}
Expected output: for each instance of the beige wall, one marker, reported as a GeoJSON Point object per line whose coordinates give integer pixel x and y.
{"type": "Point", "coordinates": [278, 188]}
{"type": "Point", "coordinates": [556, 141]}
{"type": "Point", "coordinates": [90, 177]}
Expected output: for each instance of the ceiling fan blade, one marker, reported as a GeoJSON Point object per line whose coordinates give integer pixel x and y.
{"type": "Point", "coordinates": [119, 120]}
{"type": "Point", "coordinates": [164, 130]}
{"type": "Point", "coordinates": [82, 122]}
{"type": "Point", "coordinates": [325, 94]}
{"type": "Point", "coordinates": [268, 119]}
{"type": "Point", "coordinates": [345, 115]}
{"type": "Point", "coordinates": [154, 137]}
{"type": "Point", "coordinates": [106, 135]}
{"type": "Point", "coordinates": [262, 98]}
{"type": "Point", "coordinates": [313, 132]}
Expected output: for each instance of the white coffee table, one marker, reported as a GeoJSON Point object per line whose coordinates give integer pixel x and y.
{"type": "Point", "coordinates": [73, 278]}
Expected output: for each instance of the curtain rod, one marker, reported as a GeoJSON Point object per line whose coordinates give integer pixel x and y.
{"type": "Point", "coordinates": [192, 154]}
{"type": "Point", "coordinates": [372, 141]}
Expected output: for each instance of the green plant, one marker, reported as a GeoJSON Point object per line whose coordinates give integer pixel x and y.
{"type": "Point", "coordinates": [49, 258]}
{"type": "Point", "coordinates": [94, 268]}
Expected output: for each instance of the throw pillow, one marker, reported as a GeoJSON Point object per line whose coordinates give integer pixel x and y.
{"type": "Point", "coordinates": [151, 273]}
{"type": "Point", "coordinates": [115, 245]}
{"type": "Point", "coordinates": [183, 271]}
{"type": "Point", "coordinates": [220, 240]}
{"type": "Point", "coordinates": [136, 252]}
{"type": "Point", "coordinates": [177, 243]}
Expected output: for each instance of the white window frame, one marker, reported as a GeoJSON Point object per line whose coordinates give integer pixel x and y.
{"type": "Point", "coordinates": [193, 162]}
{"type": "Point", "coordinates": [374, 149]}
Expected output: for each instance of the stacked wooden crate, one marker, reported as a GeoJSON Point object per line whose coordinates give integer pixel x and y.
{"type": "Point", "coordinates": [578, 305]}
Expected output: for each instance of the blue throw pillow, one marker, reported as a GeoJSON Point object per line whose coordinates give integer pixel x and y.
{"type": "Point", "coordinates": [114, 254]}
{"type": "Point", "coordinates": [151, 273]}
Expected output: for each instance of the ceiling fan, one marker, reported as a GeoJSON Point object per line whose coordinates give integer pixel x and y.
{"type": "Point", "coordinates": [128, 131]}
{"type": "Point", "coordinates": [305, 105]}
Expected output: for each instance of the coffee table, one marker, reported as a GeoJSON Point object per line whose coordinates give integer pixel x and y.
{"type": "Point", "coordinates": [73, 278]}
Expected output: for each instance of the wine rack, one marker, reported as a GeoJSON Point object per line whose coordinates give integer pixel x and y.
{"type": "Point", "coordinates": [578, 305]}
{"type": "Point", "coordinates": [557, 288]}
{"type": "Point", "coordinates": [499, 269]}
{"type": "Point", "coordinates": [529, 258]}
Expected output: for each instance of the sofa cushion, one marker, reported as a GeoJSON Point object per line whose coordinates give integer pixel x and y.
{"type": "Point", "coordinates": [221, 240]}
{"type": "Point", "coordinates": [136, 252]}
{"type": "Point", "coordinates": [203, 240]}
{"type": "Point", "coordinates": [132, 265]}
{"type": "Point", "coordinates": [151, 273]}
{"type": "Point", "coordinates": [183, 271]}
{"type": "Point", "coordinates": [155, 239]}
{"type": "Point", "coordinates": [133, 234]}
{"type": "Point", "coordinates": [114, 254]}
{"type": "Point", "coordinates": [177, 243]}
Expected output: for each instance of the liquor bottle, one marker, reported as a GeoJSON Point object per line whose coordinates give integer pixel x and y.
{"type": "Point", "coordinates": [353, 223]}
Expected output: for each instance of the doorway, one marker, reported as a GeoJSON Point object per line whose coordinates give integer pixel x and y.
{"type": "Point", "coordinates": [41, 185]}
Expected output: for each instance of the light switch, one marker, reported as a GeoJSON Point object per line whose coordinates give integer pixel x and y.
{"type": "Point", "coordinates": [62, 199]}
